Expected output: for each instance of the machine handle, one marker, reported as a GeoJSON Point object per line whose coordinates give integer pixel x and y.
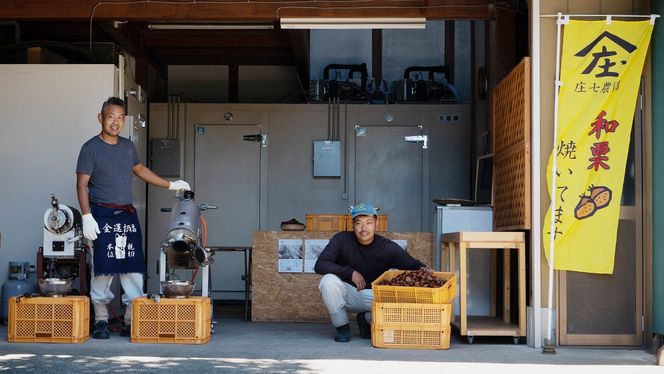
{"type": "Point", "coordinates": [165, 210]}
{"type": "Point", "coordinates": [75, 239]}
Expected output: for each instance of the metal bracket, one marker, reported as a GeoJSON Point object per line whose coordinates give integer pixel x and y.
{"type": "Point", "coordinates": [262, 138]}
{"type": "Point", "coordinates": [424, 139]}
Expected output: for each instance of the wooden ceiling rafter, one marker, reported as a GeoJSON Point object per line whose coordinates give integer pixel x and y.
{"type": "Point", "coordinates": [216, 38]}
{"type": "Point", "coordinates": [233, 11]}
{"type": "Point", "coordinates": [126, 24]}
{"type": "Point", "coordinates": [300, 47]}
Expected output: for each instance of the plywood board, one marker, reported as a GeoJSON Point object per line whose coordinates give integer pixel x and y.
{"type": "Point", "coordinates": [295, 296]}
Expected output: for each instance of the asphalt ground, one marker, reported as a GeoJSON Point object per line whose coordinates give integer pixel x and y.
{"type": "Point", "coordinates": [240, 346]}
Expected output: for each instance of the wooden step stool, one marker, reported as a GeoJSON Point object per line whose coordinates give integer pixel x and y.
{"type": "Point", "coordinates": [482, 325]}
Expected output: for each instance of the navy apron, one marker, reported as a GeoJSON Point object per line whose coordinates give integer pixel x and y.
{"type": "Point", "coordinates": [118, 249]}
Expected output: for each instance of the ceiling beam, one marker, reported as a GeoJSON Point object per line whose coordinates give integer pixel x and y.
{"type": "Point", "coordinates": [234, 11]}
{"type": "Point", "coordinates": [127, 36]}
{"type": "Point", "coordinates": [246, 56]}
{"type": "Point", "coordinates": [220, 39]}
{"type": "Point", "coordinates": [300, 48]}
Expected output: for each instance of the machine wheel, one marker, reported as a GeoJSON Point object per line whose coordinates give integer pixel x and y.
{"type": "Point", "coordinates": [470, 339]}
{"type": "Point", "coordinates": [212, 328]}
{"type": "Point", "coordinates": [515, 339]}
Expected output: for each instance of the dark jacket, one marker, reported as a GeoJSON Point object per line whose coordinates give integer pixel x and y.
{"type": "Point", "coordinates": [344, 253]}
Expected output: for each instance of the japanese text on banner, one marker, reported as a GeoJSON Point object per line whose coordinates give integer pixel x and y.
{"type": "Point", "coordinates": [600, 73]}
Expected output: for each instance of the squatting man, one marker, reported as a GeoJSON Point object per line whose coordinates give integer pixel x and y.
{"type": "Point", "coordinates": [349, 263]}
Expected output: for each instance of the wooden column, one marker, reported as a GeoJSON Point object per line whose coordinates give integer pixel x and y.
{"type": "Point", "coordinates": [233, 83]}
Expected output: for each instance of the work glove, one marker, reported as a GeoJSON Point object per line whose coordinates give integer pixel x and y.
{"type": "Point", "coordinates": [179, 185]}
{"type": "Point", "coordinates": [90, 227]}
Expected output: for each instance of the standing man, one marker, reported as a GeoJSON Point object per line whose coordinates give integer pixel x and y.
{"type": "Point", "coordinates": [349, 263]}
{"type": "Point", "coordinates": [103, 185]}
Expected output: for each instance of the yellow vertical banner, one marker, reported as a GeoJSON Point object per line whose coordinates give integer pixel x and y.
{"type": "Point", "coordinates": [600, 73]}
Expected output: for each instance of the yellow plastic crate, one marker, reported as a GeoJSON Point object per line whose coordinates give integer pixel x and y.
{"type": "Point", "coordinates": [326, 222]}
{"type": "Point", "coordinates": [49, 319]}
{"type": "Point", "coordinates": [412, 326]}
{"type": "Point", "coordinates": [181, 321]}
{"type": "Point", "coordinates": [339, 222]}
{"type": "Point", "coordinates": [397, 294]}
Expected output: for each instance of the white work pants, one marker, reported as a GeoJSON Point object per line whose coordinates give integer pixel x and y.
{"type": "Point", "coordinates": [101, 294]}
{"type": "Point", "coordinates": [340, 298]}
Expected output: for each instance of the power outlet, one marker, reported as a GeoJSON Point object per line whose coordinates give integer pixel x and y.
{"type": "Point", "coordinates": [449, 118]}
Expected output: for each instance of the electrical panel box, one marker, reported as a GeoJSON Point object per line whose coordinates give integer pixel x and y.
{"type": "Point", "coordinates": [327, 158]}
{"type": "Point", "coordinates": [165, 157]}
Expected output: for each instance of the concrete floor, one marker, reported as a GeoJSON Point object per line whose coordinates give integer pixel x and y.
{"type": "Point", "coordinates": [239, 346]}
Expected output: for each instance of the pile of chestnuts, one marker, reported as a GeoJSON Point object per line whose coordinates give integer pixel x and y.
{"type": "Point", "coordinates": [415, 278]}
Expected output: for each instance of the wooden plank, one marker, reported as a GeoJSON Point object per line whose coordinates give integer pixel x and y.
{"type": "Point", "coordinates": [463, 293]}
{"type": "Point", "coordinates": [220, 11]}
{"type": "Point", "coordinates": [300, 47]}
{"type": "Point", "coordinates": [522, 289]}
{"type": "Point", "coordinates": [233, 83]}
{"type": "Point", "coordinates": [506, 286]}
{"type": "Point", "coordinates": [36, 55]}
{"type": "Point", "coordinates": [270, 39]}
{"type": "Point", "coordinates": [248, 56]}
{"type": "Point", "coordinates": [493, 277]}
{"type": "Point", "coordinates": [449, 49]}
{"type": "Point", "coordinates": [488, 326]}
{"type": "Point", "coordinates": [490, 245]}
{"type": "Point", "coordinates": [492, 236]}
{"type": "Point", "coordinates": [444, 247]}
{"type": "Point", "coordinates": [377, 55]}
{"type": "Point", "coordinates": [482, 236]}
{"type": "Point", "coordinates": [453, 248]}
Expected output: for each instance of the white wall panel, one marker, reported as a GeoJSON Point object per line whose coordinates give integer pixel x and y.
{"type": "Point", "coordinates": [48, 112]}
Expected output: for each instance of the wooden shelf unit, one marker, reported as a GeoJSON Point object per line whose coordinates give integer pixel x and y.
{"type": "Point", "coordinates": [472, 326]}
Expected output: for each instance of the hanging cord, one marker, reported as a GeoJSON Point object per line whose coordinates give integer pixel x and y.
{"type": "Point", "coordinates": [204, 226]}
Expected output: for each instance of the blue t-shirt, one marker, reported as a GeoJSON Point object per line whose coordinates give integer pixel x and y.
{"type": "Point", "coordinates": [110, 167]}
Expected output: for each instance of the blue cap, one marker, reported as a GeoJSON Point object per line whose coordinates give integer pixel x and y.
{"type": "Point", "coordinates": [363, 209]}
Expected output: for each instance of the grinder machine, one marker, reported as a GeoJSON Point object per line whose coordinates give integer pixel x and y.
{"type": "Point", "coordinates": [63, 255]}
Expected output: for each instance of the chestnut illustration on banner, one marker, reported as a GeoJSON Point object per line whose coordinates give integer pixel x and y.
{"type": "Point", "coordinates": [599, 197]}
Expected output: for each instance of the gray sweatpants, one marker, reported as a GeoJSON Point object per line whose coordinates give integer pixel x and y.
{"type": "Point", "coordinates": [340, 298]}
{"type": "Point", "coordinates": [101, 294]}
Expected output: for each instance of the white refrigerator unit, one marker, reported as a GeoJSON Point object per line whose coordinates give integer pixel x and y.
{"type": "Point", "coordinates": [448, 219]}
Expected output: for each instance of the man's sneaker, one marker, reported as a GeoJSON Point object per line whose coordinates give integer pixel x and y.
{"type": "Point", "coordinates": [365, 327]}
{"type": "Point", "coordinates": [343, 334]}
{"type": "Point", "coordinates": [126, 330]}
{"type": "Point", "coordinates": [101, 330]}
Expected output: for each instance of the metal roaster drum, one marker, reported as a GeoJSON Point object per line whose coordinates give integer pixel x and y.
{"type": "Point", "coordinates": [184, 224]}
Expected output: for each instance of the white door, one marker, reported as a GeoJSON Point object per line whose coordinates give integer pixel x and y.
{"type": "Point", "coordinates": [227, 174]}
{"type": "Point", "coordinates": [388, 173]}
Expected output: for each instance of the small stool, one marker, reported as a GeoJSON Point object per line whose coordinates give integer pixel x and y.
{"type": "Point", "coordinates": [488, 326]}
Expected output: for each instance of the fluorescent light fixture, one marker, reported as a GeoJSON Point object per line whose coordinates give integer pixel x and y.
{"type": "Point", "coordinates": [212, 26]}
{"type": "Point", "coordinates": [353, 23]}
